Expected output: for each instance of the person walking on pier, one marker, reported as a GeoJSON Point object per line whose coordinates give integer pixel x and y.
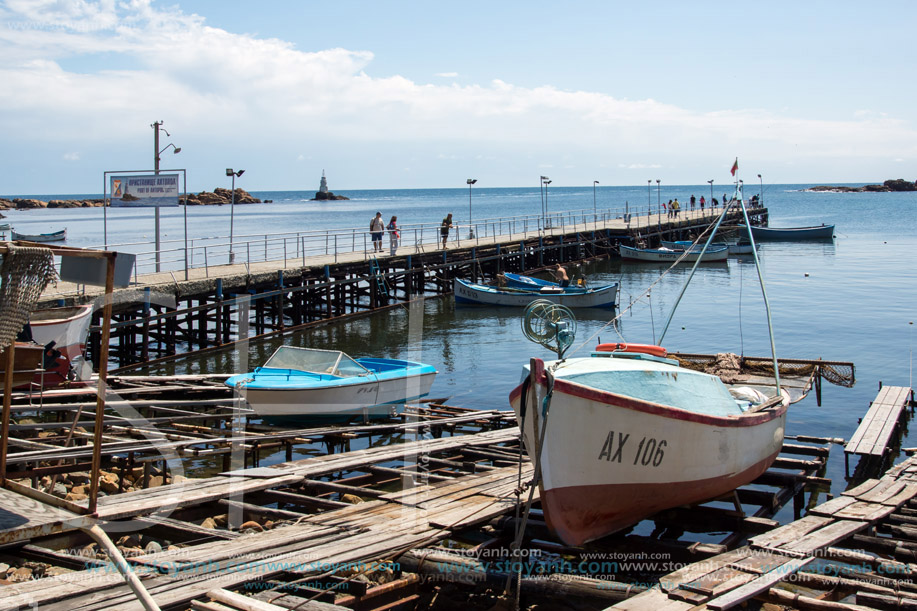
{"type": "Point", "coordinates": [702, 202]}
{"type": "Point", "coordinates": [675, 208]}
{"type": "Point", "coordinates": [376, 229]}
{"type": "Point", "coordinates": [693, 202]}
{"type": "Point", "coordinates": [444, 229]}
{"type": "Point", "coordinates": [393, 234]}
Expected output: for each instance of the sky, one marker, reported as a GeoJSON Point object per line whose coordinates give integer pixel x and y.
{"type": "Point", "coordinates": [419, 94]}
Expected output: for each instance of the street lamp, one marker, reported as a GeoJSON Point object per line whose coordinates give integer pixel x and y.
{"type": "Point", "coordinates": [232, 209]}
{"type": "Point", "coordinates": [761, 193]}
{"type": "Point", "coordinates": [711, 193]}
{"type": "Point", "coordinates": [470, 182]}
{"type": "Point", "coordinates": [157, 126]}
{"type": "Point", "coordinates": [595, 210]}
{"type": "Point", "coordinates": [547, 222]}
{"type": "Point", "coordinates": [649, 200]}
{"type": "Point", "coordinates": [658, 197]}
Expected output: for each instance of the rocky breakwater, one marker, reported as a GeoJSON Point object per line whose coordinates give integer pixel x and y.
{"type": "Point", "coordinates": [34, 204]}
{"type": "Point", "coordinates": [894, 185]}
{"type": "Point", "coordinates": [221, 196]}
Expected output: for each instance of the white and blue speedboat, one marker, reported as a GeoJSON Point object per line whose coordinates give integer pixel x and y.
{"type": "Point", "coordinates": [308, 383]}
{"type": "Point", "coordinates": [570, 296]}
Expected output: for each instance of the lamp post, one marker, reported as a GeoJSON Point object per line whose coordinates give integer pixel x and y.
{"type": "Point", "coordinates": [232, 209]}
{"type": "Point", "coordinates": [658, 197]}
{"type": "Point", "coordinates": [711, 193]}
{"type": "Point", "coordinates": [595, 210]}
{"type": "Point", "coordinates": [470, 182]}
{"type": "Point", "coordinates": [547, 222]}
{"type": "Point", "coordinates": [649, 200]}
{"type": "Point", "coordinates": [761, 193]}
{"type": "Point", "coordinates": [541, 193]}
{"type": "Point", "coordinates": [157, 126]}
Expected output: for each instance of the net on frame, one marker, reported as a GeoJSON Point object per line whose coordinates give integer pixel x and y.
{"type": "Point", "coordinates": [24, 274]}
{"type": "Point", "coordinates": [729, 365]}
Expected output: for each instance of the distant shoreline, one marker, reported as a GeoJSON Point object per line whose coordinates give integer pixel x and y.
{"type": "Point", "coordinates": [889, 186]}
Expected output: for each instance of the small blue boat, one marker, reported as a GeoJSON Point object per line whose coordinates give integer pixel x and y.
{"type": "Point", "coordinates": [308, 383]}
{"type": "Point", "coordinates": [526, 282]}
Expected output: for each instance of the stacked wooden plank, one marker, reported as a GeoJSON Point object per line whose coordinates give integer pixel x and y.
{"type": "Point", "coordinates": [729, 579]}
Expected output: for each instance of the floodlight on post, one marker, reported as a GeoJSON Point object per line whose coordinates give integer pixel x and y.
{"type": "Point", "coordinates": [595, 210]}
{"type": "Point", "coordinates": [547, 222]}
{"type": "Point", "coordinates": [761, 193]}
{"type": "Point", "coordinates": [232, 209]}
{"type": "Point", "coordinates": [711, 193]}
{"type": "Point", "coordinates": [470, 182]}
{"type": "Point", "coordinates": [658, 196]}
{"type": "Point", "coordinates": [157, 126]}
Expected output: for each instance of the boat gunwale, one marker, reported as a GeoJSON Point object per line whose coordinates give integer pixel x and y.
{"type": "Point", "coordinates": [568, 387]}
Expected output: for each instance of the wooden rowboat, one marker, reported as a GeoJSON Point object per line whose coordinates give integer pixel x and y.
{"type": "Point", "coordinates": [56, 236]}
{"type": "Point", "coordinates": [572, 297]}
{"type": "Point", "coordinates": [665, 255]}
{"type": "Point", "coordinates": [792, 234]}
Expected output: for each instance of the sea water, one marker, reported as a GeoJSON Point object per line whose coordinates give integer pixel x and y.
{"type": "Point", "coordinates": [850, 299]}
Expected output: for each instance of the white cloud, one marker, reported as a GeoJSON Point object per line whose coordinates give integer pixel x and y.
{"type": "Point", "coordinates": [226, 87]}
{"type": "Point", "coordinates": [74, 156]}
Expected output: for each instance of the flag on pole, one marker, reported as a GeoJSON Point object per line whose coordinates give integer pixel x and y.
{"type": "Point", "coordinates": [735, 166]}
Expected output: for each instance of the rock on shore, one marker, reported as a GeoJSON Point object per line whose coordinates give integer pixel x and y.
{"type": "Point", "coordinates": [217, 197]}
{"type": "Point", "coordinates": [221, 196]}
{"type": "Point", "coordinates": [897, 185]}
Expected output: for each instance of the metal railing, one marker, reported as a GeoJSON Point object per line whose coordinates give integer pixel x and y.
{"type": "Point", "coordinates": [298, 248]}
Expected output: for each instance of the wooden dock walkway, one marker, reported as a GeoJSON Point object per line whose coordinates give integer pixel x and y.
{"type": "Point", "coordinates": [782, 555]}
{"type": "Point", "coordinates": [875, 432]}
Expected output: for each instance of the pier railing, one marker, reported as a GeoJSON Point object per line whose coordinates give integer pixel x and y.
{"type": "Point", "coordinates": [297, 248]}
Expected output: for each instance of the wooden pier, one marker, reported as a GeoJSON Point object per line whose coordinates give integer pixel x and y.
{"type": "Point", "coordinates": [164, 314]}
{"type": "Point", "coordinates": [885, 415]}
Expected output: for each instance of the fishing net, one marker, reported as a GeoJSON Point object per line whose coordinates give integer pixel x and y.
{"type": "Point", "coordinates": [24, 274]}
{"type": "Point", "coordinates": [727, 366]}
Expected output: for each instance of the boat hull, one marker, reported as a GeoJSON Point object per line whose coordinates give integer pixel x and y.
{"type": "Point", "coordinates": [57, 236]}
{"type": "Point", "coordinates": [66, 327]}
{"type": "Point", "coordinates": [366, 397]}
{"type": "Point", "coordinates": [655, 255]}
{"type": "Point", "coordinates": [469, 293]}
{"type": "Point", "coordinates": [610, 460]}
{"type": "Point", "coordinates": [792, 234]}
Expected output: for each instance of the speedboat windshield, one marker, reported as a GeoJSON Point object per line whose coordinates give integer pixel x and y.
{"type": "Point", "coordinates": [313, 360]}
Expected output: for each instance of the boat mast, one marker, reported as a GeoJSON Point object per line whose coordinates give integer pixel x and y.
{"type": "Point", "coordinates": [767, 307]}
{"type": "Point", "coordinates": [770, 327]}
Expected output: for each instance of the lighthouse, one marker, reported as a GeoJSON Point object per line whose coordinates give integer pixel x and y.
{"type": "Point", "coordinates": [323, 187]}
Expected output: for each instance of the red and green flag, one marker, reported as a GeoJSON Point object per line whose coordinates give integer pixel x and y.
{"type": "Point", "coordinates": [735, 167]}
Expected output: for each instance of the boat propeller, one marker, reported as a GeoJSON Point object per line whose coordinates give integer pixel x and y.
{"type": "Point", "coordinates": [549, 324]}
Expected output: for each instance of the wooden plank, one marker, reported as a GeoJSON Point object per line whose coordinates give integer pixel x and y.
{"type": "Point", "coordinates": [863, 488]}
{"type": "Point", "coordinates": [758, 585]}
{"type": "Point", "coordinates": [760, 563]}
{"type": "Point", "coordinates": [719, 581]}
{"type": "Point", "coordinates": [652, 600]}
{"type": "Point", "coordinates": [791, 532]}
{"type": "Point", "coordinates": [824, 537]}
{"type": "Point", "coordinates": [698, 569]}
{"type": "Point", "coordinates": [849, 508]}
